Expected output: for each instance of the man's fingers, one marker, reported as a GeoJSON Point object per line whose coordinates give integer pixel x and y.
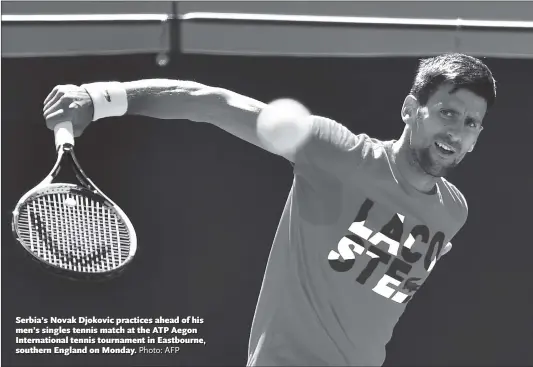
{"type": "Point", "coordinates": [50, 103]}
{"type": "Point", "coordinates": [57, 97]}
{"type": "Point", "coordinates": [51, 95]}
{"type": "Point", "coordinates": [68, 103]}
{"type": "Point", "coordinates": [52, 108]}
{"type": "Point", "coordinates": [54, 118]}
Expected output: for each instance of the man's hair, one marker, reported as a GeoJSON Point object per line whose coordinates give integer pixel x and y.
{"type": "Point", "coordinates": [461, 70]}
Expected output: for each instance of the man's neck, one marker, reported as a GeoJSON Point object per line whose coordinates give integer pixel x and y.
{"type": "Point", "coordinates": [410, 169]}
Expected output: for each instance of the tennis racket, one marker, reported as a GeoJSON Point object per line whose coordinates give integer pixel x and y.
{"type": "Point", "coordinates": [73, 230]}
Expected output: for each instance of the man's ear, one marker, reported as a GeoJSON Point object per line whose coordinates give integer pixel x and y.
{"type": "Point", "coordinates": [409, 109]}
{"type": "Point", "coordinates": [474, 145]}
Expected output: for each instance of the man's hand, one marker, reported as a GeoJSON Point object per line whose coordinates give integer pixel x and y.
{"type": "Point", "coordinates": [68, 103]}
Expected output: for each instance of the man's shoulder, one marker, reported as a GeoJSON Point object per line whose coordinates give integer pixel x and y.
{"type": "Point", "coordinates": [324, 126]}
{"type": "Point", "coordinates": [453, 195]}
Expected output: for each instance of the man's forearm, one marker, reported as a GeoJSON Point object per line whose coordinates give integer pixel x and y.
{"type": "Point", "coordinates": [178, 99]}
{"type": "Point", "coordinates": [159, 98]}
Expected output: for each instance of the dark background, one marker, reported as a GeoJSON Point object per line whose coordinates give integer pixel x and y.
{"type": "Point", "coordinates": [206, 206]}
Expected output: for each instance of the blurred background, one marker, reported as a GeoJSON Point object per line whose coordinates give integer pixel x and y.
{"type": "Point", "coordinates": [206, 205]}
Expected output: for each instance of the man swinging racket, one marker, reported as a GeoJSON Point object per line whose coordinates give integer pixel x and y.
{"type": "Point", "coordinates": [365, 221]}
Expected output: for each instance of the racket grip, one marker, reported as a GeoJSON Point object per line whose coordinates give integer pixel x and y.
{"type": "Point", "coordinates": [64, 134]}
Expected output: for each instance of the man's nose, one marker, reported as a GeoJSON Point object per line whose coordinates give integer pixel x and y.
{"type": "Point", "coordinates": [455, 133]}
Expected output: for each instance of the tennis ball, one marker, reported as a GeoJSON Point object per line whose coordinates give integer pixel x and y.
{"type": "Point", "coordinates": [70, 202]}
{"type": "Point", "coordinates": [283, 126]}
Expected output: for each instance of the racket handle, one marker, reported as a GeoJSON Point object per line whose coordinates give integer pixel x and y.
{"type": "Point", "coordinates": [64, 134]}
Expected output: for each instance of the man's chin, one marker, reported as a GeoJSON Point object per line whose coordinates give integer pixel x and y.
{"type": "Point", "coordinates": [432, 167]}
{"type": "Point", "coordinates": [438, 170]}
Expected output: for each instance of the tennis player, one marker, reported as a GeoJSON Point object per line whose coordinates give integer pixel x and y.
{"type": "Point", "coordinates": [365, 221]}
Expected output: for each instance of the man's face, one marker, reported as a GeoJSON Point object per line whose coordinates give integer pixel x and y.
{"type": "Point", "coordinates": [446, 129]}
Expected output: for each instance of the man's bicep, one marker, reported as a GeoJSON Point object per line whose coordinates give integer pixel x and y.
{"type": "Point", "coordinates": [235, 114]}
{"type": "Point", "coordinates": [230, 111]}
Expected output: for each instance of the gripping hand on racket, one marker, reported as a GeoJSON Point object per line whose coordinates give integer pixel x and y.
{"type": "Point", "coordinates": [69, 103]}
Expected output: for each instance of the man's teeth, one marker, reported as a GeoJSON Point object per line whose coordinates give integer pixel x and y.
{"type": "Point", "coordinates": [445, 147]}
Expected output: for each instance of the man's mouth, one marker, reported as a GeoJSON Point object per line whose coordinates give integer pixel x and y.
{"type": "Point", "coordinates": [444, 148]}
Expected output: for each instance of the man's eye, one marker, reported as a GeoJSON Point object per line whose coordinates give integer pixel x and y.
{"type": "Point", "coordinates": [447, 113]}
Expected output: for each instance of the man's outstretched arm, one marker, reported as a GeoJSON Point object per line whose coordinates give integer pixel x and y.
{"type": "Point", "coordinates": [165, 99]}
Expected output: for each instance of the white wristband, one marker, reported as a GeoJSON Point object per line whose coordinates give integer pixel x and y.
{"type": "Point", "coordinates": [109, 99]}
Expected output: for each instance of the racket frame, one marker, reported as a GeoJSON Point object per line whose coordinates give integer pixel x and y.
{"type": "Point", "coordinates": [65, 155]}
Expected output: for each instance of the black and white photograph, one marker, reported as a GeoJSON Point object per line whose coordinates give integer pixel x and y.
{"type": "Point", "coordinates": [267, 183]}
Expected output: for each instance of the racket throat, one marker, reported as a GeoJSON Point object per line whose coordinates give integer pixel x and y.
{"type": "Point", "coordinates": [67, 169]}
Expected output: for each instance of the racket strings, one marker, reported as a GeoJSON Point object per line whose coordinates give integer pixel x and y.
{"type": "Point", "coordinates": [74, 232]}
